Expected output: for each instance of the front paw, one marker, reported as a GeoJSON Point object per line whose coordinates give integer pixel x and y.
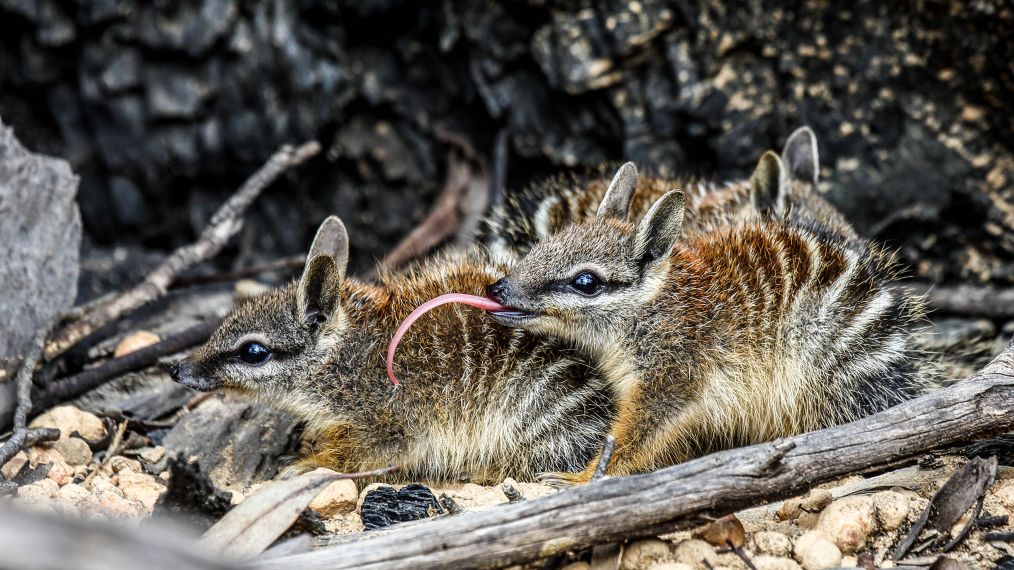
{"type": "Point", "coordinates": [562, 480]}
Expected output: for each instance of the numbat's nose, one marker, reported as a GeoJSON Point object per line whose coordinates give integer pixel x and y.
{"type": "Point", "coordinates": [498, 291]}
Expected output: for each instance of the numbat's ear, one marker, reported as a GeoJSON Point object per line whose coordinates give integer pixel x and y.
{"type": "Point", "coordinates": [661, 226]}
{"type": "Point", "coordinates": [800, 156]}
{"type": "Point", "coordinates": [319, 288]}
{"type": "Point", "coordinates": [616, 202]}
{"type": "Point", "coordinates": [767, 185]}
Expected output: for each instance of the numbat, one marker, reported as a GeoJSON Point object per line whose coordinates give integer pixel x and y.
{"type": "Point", "coordinates": [761, 329]}
{"type": "Point", "coordinates": [783, 187]}
{"type": "Point", "coordinates": [479, 401]}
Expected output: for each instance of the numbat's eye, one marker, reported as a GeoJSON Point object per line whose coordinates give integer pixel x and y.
{"type": "Point", "coordinates": [586, 283]}
{"type": "Point", "coordinates": [254, 353]}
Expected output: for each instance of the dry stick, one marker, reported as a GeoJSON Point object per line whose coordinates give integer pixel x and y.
{"type": "Point", "coordinates": [223, 225]}
{"type": "Point", "coordinates": [20, 435]}
{"type": "Point", "coordinates": [619, 508]}
{"type": "Point", "coordinates": [280, 264]}
{"type": "Point", "coordinates": [967, 300]}
{"type": "Point", "coordinates": [445, 218]}
{"type": "Point", "coordinates": [79, 383]}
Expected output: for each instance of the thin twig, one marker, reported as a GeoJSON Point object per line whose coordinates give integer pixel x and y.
{"type": "Point", "coordinates": [224, 224]}
{"type": "Point", "coordinates": [20, 434]}
{"type": "Point", "coordinates": [280, 264]}
{"type": "Point", "coordinates": [81, 382]}
{"type": "Point", "coordinates": [607, 453]}
{"type": "Point", "coordinates": [461, 202]}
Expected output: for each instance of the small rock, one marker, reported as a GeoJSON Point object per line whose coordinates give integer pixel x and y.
{"type": "Point", "coordinates": [113, 505]}
{"type": "Point", "coordinates": [120, 464]}
{"type": "Point", "coordinates": [723, 532]}
{"type": "Point", "coordinates": [849, 522]}
{"type": "Point", "coordinates": [807, 519]}
{"type": "Point", "coordinates": [59, 471]}
{"type": "Point", "coordinates": [74, 450]}
{"type": "Point", "coordinates": [892, 509]}
{"type": "Point", "coordinates": [337, 499]}
{"type": "Point", "coordinates": [69, 419]}
{"type": "Point", "coordinates": [140, 487]}
{"type": "Point", "coordinates": [101, 484]}
{"type": "Point", "coordinates": [815, 500]}
{"type": "Point", "coordinates": [695, 553]}
{"type": "Point", "coordinates": [249, 288]}
{"type": "Point", "coordinates": [772, 543]}
{"type": "Point", "coordinates": [765, 562]}
{"type": "Point", "coordinates": [815, 551]}
{"type": "Point", "coordinates": [670, 566]}
{"type": "Point", "coordinates": [73, 492]}
{"type": "Point", "coordinates": [789, 510]}
{"type": "Point", "coordinates": [135, 341]}
{"type": "Point", "coordinates": [641, 554]}
{"type": "Point", "coordinates": [11, 468]}
{"type": "Point", "coordinates": [1004, 492]}
{"type": "Point", "coordinates": [152, 455]}
{"type": "Point", "coordinates": [849, 561]}
{"type": "Point", "coordinates": [37, 493]}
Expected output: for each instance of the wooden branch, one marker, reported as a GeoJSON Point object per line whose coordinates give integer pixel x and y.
{"type": "Point", "coordinates": [967, 300]}
{"type": "Point", "coordinates": [616, 509]}
{"type": "Point", "coordinates": [79, 383]}
{"type": "Point", "coordinates": [462, 199]}
{"type": "Point", "coordinates": [224, 224]}
{"type": "Point", "coordinates": [21, 436]}
{"type": "Point", "coordinates": [280, 264]}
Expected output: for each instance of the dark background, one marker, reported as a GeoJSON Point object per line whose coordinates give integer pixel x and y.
{"type": "Point", "coordinates": [164, 107]}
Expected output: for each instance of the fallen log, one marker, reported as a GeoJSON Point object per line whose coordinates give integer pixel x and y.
{"type": "Point", "coordinates": [616, 509]}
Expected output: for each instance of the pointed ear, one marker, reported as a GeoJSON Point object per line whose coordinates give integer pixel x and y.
{"type": "Point", "coordinates": [332, 239]}
{"type": "Point", "coordinates": [660, 227]}
{"type": "Point", "coordinates": [320, 286]}
{"type": "Point", "coordinates": [767, 186]}
{"type": "Point", "coordinates": [616, 202]}
{"type": "Point", "coordinates": [800, 156]}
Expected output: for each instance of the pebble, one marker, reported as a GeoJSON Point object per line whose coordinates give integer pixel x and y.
{"type": "Point", "coordinates": [120, 464]}
{"type": "Point", "coordinates": [1004, 492]}
{"type": "Point", "coordinates": [892, 509]}
{"type": "Point", "coordinates": [849, 522]}
{"type": "Point", "coordinates": [772, 543]}
{"type": "Point", "coordinates": [815, 500]}
{"type": "Point", "coordinates": [69, 419]}
{"type": "Point", "coordinates": [723, 532]}
{"type": "Point", "coordinates": [11, 468]}
{"type": "Point", "coordinates": [695, 553]}
{"type": "Point", "coordinates": [101, 484]}
{"type": "Point", "coordinates": [765, 562]}
{"type": "Point", "coordinates": [337, 499]}
{"type": "Point", "coordinates": [113, 505]}
{"type": "Point", "coordinates": [152, 455]}
{"type": "Point", "coordinates": [135, 341]}
{"type": "Point", "coordinates": [73, 492]}
{"type": "Point", "coordinates": [642, 554]}
{"type": "Point", "coordinates": [815, 551]}
{"type": "Point", "coordinates": [140, 487]}
{"type": "Point", "coordinates": [74, 451]}
{"type": "Point", "coordinates": [38, 493]}
{"type": "Point", "coordinates": [671, 566]}
{"type": "Point", "coordinates": [59, 470]}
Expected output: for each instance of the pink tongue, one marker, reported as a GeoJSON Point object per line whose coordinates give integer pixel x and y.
{"type": "Point", "coordinates": [479, 302]}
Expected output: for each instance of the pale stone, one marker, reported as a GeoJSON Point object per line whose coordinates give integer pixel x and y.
{"type": "Point", "coordinates": [892, 509]}
{"type": "Point", "coordinates": [140, 487]}
{"type": "Point", "coordinates": [671, 566]}
{"type": "Point", "coordinates": [39, 492]}
{"type": "Point", "coordinates": [69, 419]}
{"type": "Point", "coordinates": [641, 554]}
{"type": "Point", "coordinates": [152, 454]}
{"type": "Point", "coordinates": [11, 468]}
{"type": "Point", "coordinates": [772, 543]}
{"type": "Point", "coordinates": [696, 553]}
{"type": "Point", "coordinates": [74, 450]}
{"type": "Point", "coordinates": [249, 288]}
{"type": "Point", "coordinates": [337, 499]}
{"type": "Point", "coordinates": [815, 551]}
{"type": "Point", "coordinates": [120, 464]}
{"type": "Point", "coordinates": [135, 341]}
{"type": "Point", "coordinates": [59, 470]}
{"type": "Point", "coordinates": [73, 492]}
{"type": "Point", "coordinates": [849, 522]}
{"type": "Point", "coordinates": [815, 500]}
{"type": "Point", "coordinates": [101, 484]}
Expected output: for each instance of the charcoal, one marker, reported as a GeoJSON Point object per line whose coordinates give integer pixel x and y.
{"type": "Point", "coordinates": [385, 506]}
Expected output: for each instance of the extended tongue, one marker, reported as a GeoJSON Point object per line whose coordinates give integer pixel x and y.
{"type": "Point", "coordinates": [473, 300]}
